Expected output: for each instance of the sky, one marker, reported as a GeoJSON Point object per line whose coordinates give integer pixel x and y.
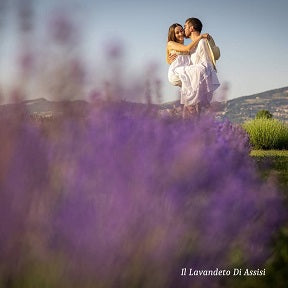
{"type": "Point", "coordinates": [251, 34]}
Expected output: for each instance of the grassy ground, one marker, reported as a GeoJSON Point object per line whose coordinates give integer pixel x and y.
{"type": "Point", "coordinates": [273, 162]}
{"type": "Point", "coordinates": [269, 153]}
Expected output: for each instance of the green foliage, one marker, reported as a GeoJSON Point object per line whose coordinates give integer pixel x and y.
{"type": "Point", "coordinates": [267, 133]}
{"type": "Point", "coordinates": [277, 154]}
{"type": "Point", "coordinates": [263, 114]}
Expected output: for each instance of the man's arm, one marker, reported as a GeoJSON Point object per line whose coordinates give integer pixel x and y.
{"type": "Point", "coordinates": [170, 58]}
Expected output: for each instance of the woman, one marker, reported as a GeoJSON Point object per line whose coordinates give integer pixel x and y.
{"type": "Point", "coordinates": [193, 76]}
{"type": "Point", "coordinates": [175, 46]}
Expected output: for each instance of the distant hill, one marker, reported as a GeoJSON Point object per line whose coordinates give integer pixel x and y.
{"type": "Point", "coordinates": [44, 108]}
{"type": "Point", "coordinates": [41, 107]}
{"type": "Point", "coordinates": [236, 110]}
{"type": "Point", "coordinates": [244, 108]}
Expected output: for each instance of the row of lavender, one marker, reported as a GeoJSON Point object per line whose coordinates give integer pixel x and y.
{"type": "Point", "coordinates": [127, 199]}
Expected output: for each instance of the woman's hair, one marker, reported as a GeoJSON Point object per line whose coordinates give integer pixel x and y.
{"type": "Point", "coordinates": [171, 32]}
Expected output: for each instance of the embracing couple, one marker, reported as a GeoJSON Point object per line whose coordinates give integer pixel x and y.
{"type": "Point", "coordinates": [192, 66]}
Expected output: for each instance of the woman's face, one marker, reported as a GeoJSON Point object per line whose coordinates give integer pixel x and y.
{"type": "Point", "coordinates": [179, 34]}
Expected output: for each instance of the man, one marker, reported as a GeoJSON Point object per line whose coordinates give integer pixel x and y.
{"type": "Point", "coordinates": [199, 80]}
{"type": "Point", "coordinates": [192, 29]}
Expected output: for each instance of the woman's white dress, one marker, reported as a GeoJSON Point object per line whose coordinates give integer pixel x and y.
{"type": "Point", "coordinates": [198, 79]}
{"type": "Point", "coordinates": [183, 59]}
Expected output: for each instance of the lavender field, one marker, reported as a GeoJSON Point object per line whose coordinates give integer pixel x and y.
{"type": "Point", "coordinates": [125, 196]}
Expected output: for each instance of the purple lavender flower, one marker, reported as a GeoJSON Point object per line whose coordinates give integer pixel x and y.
{"type": "Point", "coordinates": [126, 197]}
{"type": "Point", "coordinates": [145, 192]}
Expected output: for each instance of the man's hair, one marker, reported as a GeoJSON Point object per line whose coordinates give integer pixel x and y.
{"type": "Point", "coordinates": [196, 23]}
{"type": "Point", "coordinates": [171, 32]}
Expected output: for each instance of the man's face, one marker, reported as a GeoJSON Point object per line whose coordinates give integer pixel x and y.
{"type": "Point", "coordinates": [187, 30]}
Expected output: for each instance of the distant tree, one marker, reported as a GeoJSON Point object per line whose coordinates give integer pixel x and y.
{"type": "Point", "coordinates": [264, 114]}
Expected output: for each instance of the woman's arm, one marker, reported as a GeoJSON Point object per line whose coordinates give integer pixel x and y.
{"type": "Point", "coordinates": [167, 54]}
{"type": "Point", "coordinates": [171, 45]}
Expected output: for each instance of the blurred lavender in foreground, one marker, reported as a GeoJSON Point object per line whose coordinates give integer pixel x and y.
{"type": "Point", "coordinates": [122, 198]}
